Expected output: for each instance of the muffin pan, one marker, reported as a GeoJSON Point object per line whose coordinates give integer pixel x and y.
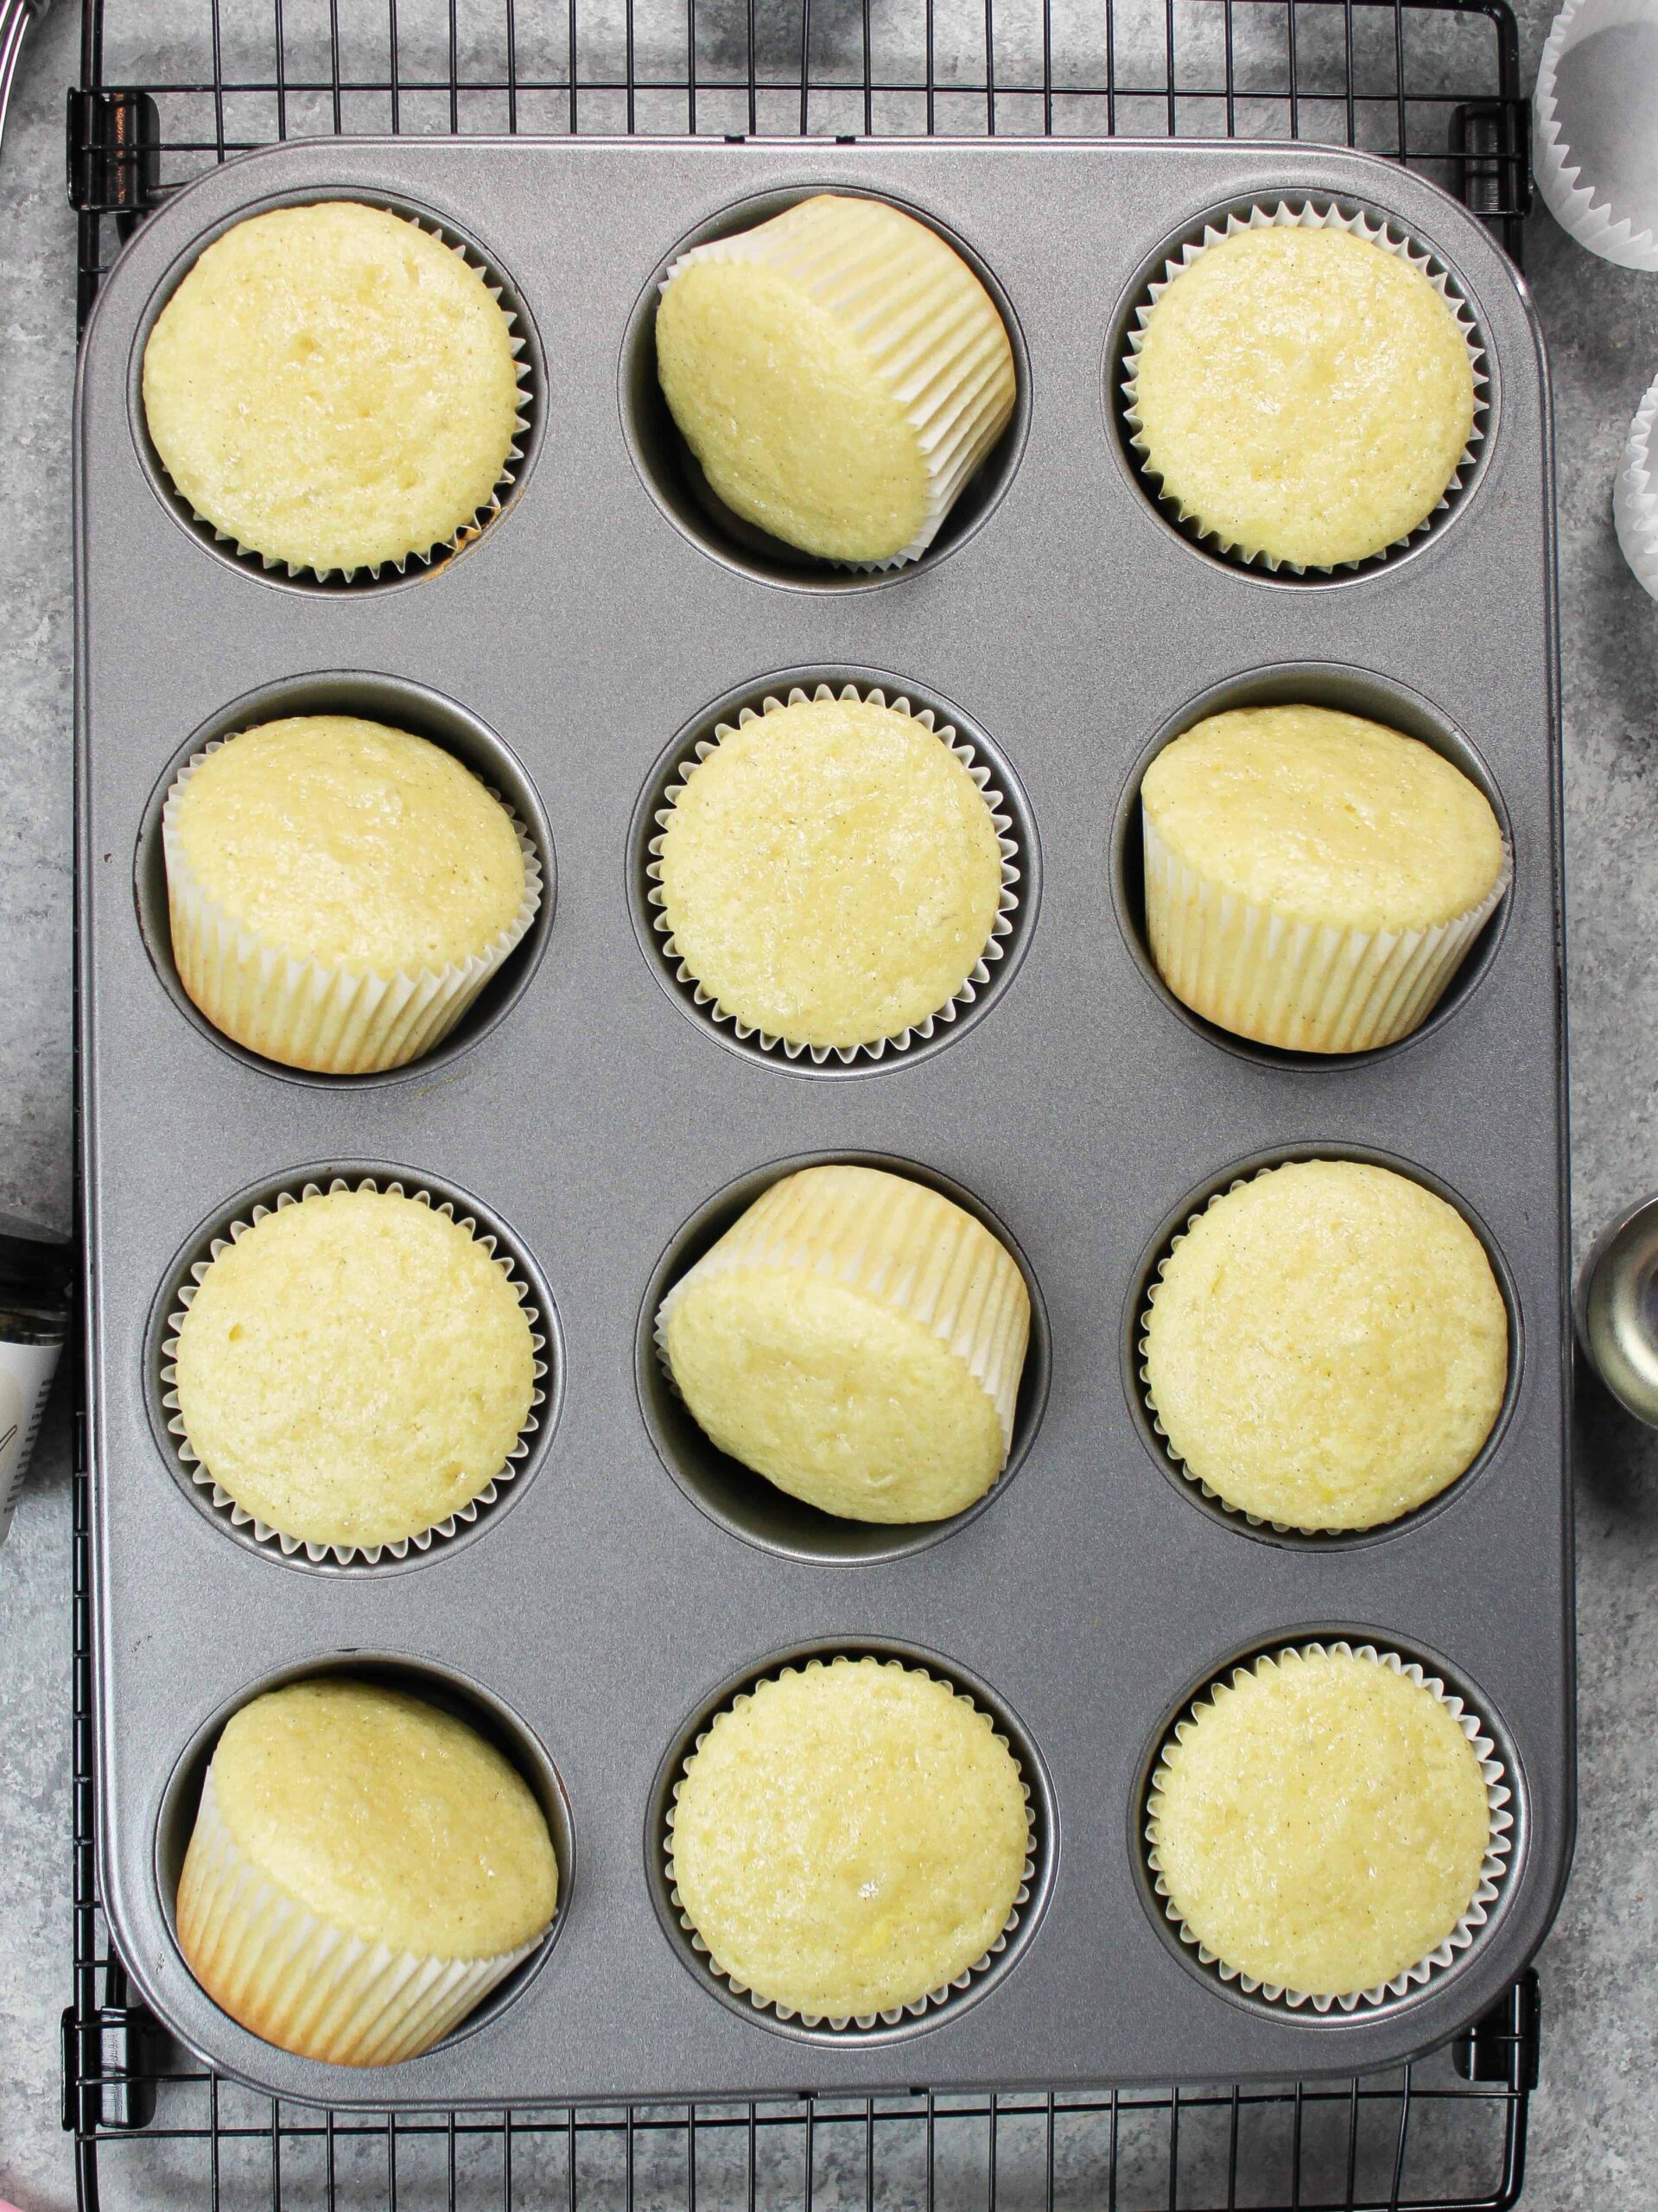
{"type": "Point", "coordinates": [627, 1578]}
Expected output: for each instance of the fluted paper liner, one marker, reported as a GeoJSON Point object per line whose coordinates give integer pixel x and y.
{"type": "Point", "coordinates": [949, 364]}
{"type": "Point", "coordinates": [1581, 203]}
{"type": "Point", "coordinates": [1309, 213]}
{"type": "Point", "coordinates": [1303, 986]}
{"type": "Point", "coordinates": [1635, 495]}
{"type": "Point", "coordinates": [328, 1017]}
{"type": "Point", "coordinates": [978, 977]}
{"type": "Point", "coordinates": [915, 2008]}
{"type": "Point", "coordinates": [262, 1532]}
{"type": "Point", "coordinates": [301, 1982]}
{"type": "Point", "coordinates": [1498, 1848]}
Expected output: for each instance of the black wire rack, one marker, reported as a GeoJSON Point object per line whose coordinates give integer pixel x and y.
{"type": "Point", "coordinates": [1431, 82]}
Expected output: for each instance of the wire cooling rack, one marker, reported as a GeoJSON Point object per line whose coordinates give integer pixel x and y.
{"type": "Point", "coordinates": [166, 92]}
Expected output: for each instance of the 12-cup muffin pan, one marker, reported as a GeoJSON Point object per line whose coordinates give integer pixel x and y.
{"type": "Point", "coordinates": [628, 1579]}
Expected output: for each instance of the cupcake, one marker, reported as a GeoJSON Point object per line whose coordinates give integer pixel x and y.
{"type": "Point", "coordinates": [1327, 1824]}
{"type": "Point", "coordinates": [1302, 389]}
{"type": "Point", "coordinates": [1326, 1347]}
{"type": "Point", "coordinates": [832, 874]}
{"type": "Point", "coordinates": [339, 891]}
{"type": "Point", "coordinates": [858, 1339]}
{"type": "Point", "coordinates": [838, 373]}
{"type": "Point", "coordinates": [332, 387]}
{"type": "Point", "coordinates": [1314, 881]}
{"type": "Point", "coordinates": [352, 1370]}
{"type": "Point", "coordinates": [363, 1871]}
{"type": "Point", "coordinates": [850, 1840]}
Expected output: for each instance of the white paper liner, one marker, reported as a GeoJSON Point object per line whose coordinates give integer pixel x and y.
{"type": "Point", "coordinates": [329, 1018]}
{"type": "Point", "coordinates": [301, 1982]}
{"type": "Point", "coordinates": [917, 2008]}
{"type": "Point", "coordinates": [344, 1555]}
{"type": "Point", "coordinates": [1580, 203]}
{"type": "Point", "coordinates": [1300, 986]}
{"type": "Point", "coordinates": [1499, 1845]}
{"type": "Point", "coordinates": [465, 531]}
{"type": "Point", "coordinates": [1308, 213]}
{"type": "Point", "coordinates": [1001, 928]}
{"type": "Point", "coordinates": [1635, 495]}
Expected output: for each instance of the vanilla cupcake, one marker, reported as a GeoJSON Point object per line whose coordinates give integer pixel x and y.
{"type": "Point", "coordinates": [1326, 1347]}
{"type": "Point", "coordinates": [839, 373]}
{"type": "Point", "coordinates": [352, 1370]}
{"type": "Point", "coordinates": [1302, 389]}
{"type": "Point", "coordinates": [364, 1870]}
{"type": "Point", "coordinates": [1314, 881]}
{"type": "Point", "coordinates": [1327, 1824]}
{"type": "Point", "coordinates": [833, 876]}
{"type": "Point", "coordinates": [858, 1339]}
{"type": "Point", "coordinates": [850, 1840]}
{"type": "Point", "coordinates": [332, 388]}
{"type": "Point", "coordinates": [339, 891]}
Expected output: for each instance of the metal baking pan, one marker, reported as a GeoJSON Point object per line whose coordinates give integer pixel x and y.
{"type": "Point", "coordinates": [624, 1583]}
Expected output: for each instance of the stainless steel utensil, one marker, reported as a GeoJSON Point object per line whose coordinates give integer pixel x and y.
{"type": "Point", "coordinates": [1617, 1309]}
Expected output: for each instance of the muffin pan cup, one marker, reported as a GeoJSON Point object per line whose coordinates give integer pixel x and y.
{"type": "Point", "coordinates": [598, 1602]}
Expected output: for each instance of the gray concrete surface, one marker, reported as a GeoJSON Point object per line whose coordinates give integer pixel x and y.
{"type": "Point", "coordinates": [1595, 2131]}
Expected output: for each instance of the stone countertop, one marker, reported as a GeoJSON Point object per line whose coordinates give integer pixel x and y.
{"type": "Point", "coordinates": [1595, 2122]}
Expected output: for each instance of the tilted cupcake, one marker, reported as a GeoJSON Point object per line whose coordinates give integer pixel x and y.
{"type": "Point", "coordinates": [1302, 389]}
{"type": "Point", "coordinates": [833, 875]}
{"type": "Point", "coordinates": [858, 1339]}
{"type": "Point", "coordinates": [364, 1870]}
{"type": "Point", "coordinates": [839, 372]}
{"type": "Point", "coordinates": [333, 388]}
{"type": "Point", "coordinates": [1326, 1346]}
{"type": "Point", "coordinates": [1314, 881]}
{"type": "Point", "coordinates": [339, 891]}
{"type": "Point", "coordinates": [352, 1370]}
{"type": "Point", "coordinates": [1329, 1824]}
{"type": "Point", "coordinates": [846, 1841]}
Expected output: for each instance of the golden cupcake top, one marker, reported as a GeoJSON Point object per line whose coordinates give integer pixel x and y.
{"type": "Point", "coordinates": [858, 1339]}
{"type": "Point", "coordinates": [1321, 1822]}
{"type": "Point", "coordinates": [354, 1367]}
{"type": "Point", "coordinates": [849, 1838]}
{"type": "Point", "coordinates": [1327, 1346]}
{"type": "Point", "coordinates": [831, 873]}
{"type": "Point", "coordinates": [1326, 817]}
{"type": "Point", "coordinates": [1305, 393]}
{"type": "Point", "coordinates": [333, 387]}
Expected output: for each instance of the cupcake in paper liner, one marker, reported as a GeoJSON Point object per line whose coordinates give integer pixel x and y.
{"type": "Point", "coordinates": [1314, 881]}
{"type": "Point", "coordinates": [1593, 128]}
{"type": "Point", "coordinates": [839, 372]}
{"type": "Point", "coordinates": [1324, 1347]}
{"type": "Point", "coordinates": [364, 1870]}
{"type": "Point", "coordinates": [1303, 386]}
{"type": "Point", "coordinates": [333, 389]}
{"type": "Point", "coordinates": [849, 1842]}
{"type": "Point", "coordinates": [1329, 1826]}
{"type": "Point", "coordinates": [353, 1371]}
{"type": "Point", "coordinates": [858, 1339]}
{"type": "Point", "coordinates": [1635, 495]}
{"type": "Point", "coordinates": [833, 875]}
{"type": "Point", "coordinates": [339, 891]}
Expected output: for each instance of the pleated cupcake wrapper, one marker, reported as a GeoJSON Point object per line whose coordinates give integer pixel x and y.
{"type": "Point", "coordinates": [1312, 214]}
{"type": "Point", "coordinates": [1580, 203]}
{"type": "Point", "coordinates": [1001, 928]}
{"type": "Point", "coordinates": [981, 1314]}
{"type": "Point", "coordinates": [328, 1017]}
{"type": "Point", "coordinates": [1494, 1867]}
{"type": "Point", "coordinates": [951, 370]}
{"type": "Point", "coordinates": [301, 1982]}
{"type": "Point", "coordinates": [1635, 495]}
{"type": "Point", "coordinates": [917, 2008]}
{"type": "Point", "coordinates": [1303, 986]}
{"type": "Point", "coordinates": [262, 1533]}
{"type": "Point", "coordinates": [474, 524]}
